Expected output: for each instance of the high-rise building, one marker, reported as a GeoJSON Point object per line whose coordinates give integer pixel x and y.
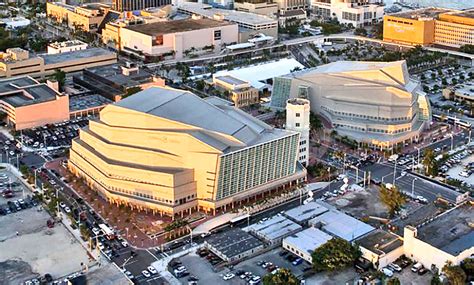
{"type": "Point", "coordinates": [172, 152]}
{"type": "Point", "coordinates": [135, 5]}
{"type": "Point", "coordinates": [297, 119]}
{"type": "Point", "coordinates": [375, 103]}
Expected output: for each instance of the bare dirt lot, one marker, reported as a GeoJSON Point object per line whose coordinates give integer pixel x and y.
{"type": "Point", "coordinates": [28, 248]}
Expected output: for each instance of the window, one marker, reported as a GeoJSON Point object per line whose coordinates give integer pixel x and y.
{"type": "Point", "coordinates": [297, 114]}
{"type": "Point", "coordinates": [217, 35]}
{"type": "Point", "coordinates": [297, 124]}
{"type": "Point", "coordinates": [158, 40]}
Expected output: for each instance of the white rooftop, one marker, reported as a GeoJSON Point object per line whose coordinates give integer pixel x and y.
{"type": "Point", "coordinates": [229, 15]}
{"type": "Point", "coordinates": [339, 224]}
{"type": "Point", "coordinates": [239, 46]}
{"type": "Point", "coordinates": [276, 227]}
{"type": "Point", "coordinates": [308, 240]}
{"type": "Point", "coordinates": [305, 212]}
{"type": "Point", "coordinates": [257, 73]}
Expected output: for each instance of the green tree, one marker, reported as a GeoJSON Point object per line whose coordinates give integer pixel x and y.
{"type": "Point", "coordinates": [200, 85]}
{"type": "Point", "coordinates": [467, 49]}
{"type": "Point", "coordinates": [435, 280]}
{"type": "Point", "coordinates": [60, 77]}
{"type": "Point", "coordinates": [282, 277]}
{"type": "Point", "coordinates": [392, 198]}
{"type": "Point", "coordinates": [468, 266]}
{"type": "Point", "coordinates": [334, 255]}
{"type": "Point", "coordinates": [315, 122]}
{"type": "Point", "coordinates": [455, 274]}
{"type": "Point", "coordinates": [394, 281]}
{"type": "Point", "coordinates": [360, 32]}
{"type": "Point", "coordinates": [429, 162]}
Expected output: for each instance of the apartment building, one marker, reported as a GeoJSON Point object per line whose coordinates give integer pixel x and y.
{"type": "Point", "coordinates": [86, 17]}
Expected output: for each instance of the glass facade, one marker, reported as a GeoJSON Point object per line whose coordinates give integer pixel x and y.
{"type": "Point", "coordinates": [251, 167]}
{"type": "Point", "coordinates": [281, 92]}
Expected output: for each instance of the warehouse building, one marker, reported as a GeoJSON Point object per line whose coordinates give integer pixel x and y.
{"type": "Point", "coordinates": [275, 229]}
{"type": "Point", "coordinates": [304, 243]}
{"type": "Point", "coordinates": [234, 245]}
{"type": "Point", "coordinates": [380, 247]}
{"type": "Point", "coordinates": [302, 214]}
{"type": "Point", "coordinates": [171, 152]}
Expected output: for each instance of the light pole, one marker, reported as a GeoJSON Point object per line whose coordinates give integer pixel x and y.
{"type": "Point", "coordinates": [469, 138]}
{"type": "Point", "coordinates": [452, 141]}
{"type": "Point", "coordinates": [394, 171]}
{"type": "Point", "coordinates": [413, 187]}
{"type": "Point", "coordinates": [418, 159]}
{"type": "Point", "coordinates": [190, 233]}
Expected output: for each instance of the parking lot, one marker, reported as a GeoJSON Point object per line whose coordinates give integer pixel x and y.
{"type": "Point", "coordinates": [54, 135]}
{"type": "Point", "coordinates": [31, 248]}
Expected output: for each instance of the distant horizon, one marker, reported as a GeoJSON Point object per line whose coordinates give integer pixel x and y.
{"type": "Point", "coordinates": [453, 4]}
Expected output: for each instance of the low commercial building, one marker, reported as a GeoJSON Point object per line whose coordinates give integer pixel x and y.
{"type": "Point", "coordinates": [291, 17]}
{"type": "Point", "coordinates": [356, 13]}
{"type": "Point", "coordinates": [171, 152]}
{"type": "Point", "coordinates": [304, 243]}
{"type": "Point", "coordinates": [178, 38]}
{"type": "Point", "coordinates": [340, 225]}
{"type": "Point", "coordinates": [376, 103]}
{"type": "Point", "coordinates": [461, 93]}
{"type": "Point", "coordinates": [113, 81]}
{"type": "Point", "coordinates": [240, 92]}
{"type": "Point", "coordinates": [260, 7]}
{"type": "Point", "coordinates": [233, 245]}
{"type": "Point", "coordinates": [430, 26]}
{"type": "Point", "coordinates": [448, 237]}
{"type": "Point", "coordinates": [67, 46]}
{"type": "Point", "coordinates": [302, 214]}
{"type": "Point", "coordinates": [87, 17]}
{"type": "Point", "coordinates": [30, 104]}
{"type": "Point", "coordinates": [16, 61]}
{"type": "Point", "coordinates": [289, 5]}
{"type": "Point", "coordinates": [275, 229]}
{"type": "Point", "coordinates": [380, 247]}
{"type": "Point", "coordinates": [14, 23]}
{"type": "Point", "coordinates": [249, 24]}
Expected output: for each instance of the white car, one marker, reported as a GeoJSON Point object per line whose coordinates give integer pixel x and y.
{"type": "Point", "coordinates": [228, 276]}
{"type": "Point", "coordinates": [387, 272]}
{"type": "Point", "coordinates": [96, 231]}
{"type": "Point", "coordinates": [100, 246]}
{"type": "Point", "coordinates": [67, 210]}
{"type": "Point", "coordinates": [146, 273]}
{"type": "Point", "coordinates": [464, 174]}
{"type": "Point", "coordinates": [129, 274]}
{"type": "Point", "coordinates": [124, 243]}
{"type": "Point", "coordinates": [152, 270]}
{"type": "Point", "coordinates": [62, 205]}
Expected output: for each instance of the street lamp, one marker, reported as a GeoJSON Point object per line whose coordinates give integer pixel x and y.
{"type": "Point", "coordinates": [413, 187]}
{"type": "Point", "coordinates": [418, 158]}
{"type": "Point", "coordinates": [394, 171]}
{"type": "Point", "coordinates": [452, 141]}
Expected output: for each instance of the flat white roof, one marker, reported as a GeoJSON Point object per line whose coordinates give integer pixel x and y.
{"type": "Point", "coordinates": [260, 39]}
{"type": "Point", "coordinates": [239, 46]}
{"type": "Point", "coordinates": [276, 227]}
{"type": "Point", "coordinates": [339, 224]}
{"type": "Point", "coordinates": [305, 212]}
{"type": "Point", "coordinates": [307, 240]}
{"type": "Point", "coordinates": [262, 72]}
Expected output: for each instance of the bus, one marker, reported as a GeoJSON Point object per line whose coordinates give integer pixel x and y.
{"type": "Point", "coordinates": [107, 231]}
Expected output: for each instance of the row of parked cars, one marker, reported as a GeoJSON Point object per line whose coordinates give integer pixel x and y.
{"type": "Point", "coordinates": [18, 205]}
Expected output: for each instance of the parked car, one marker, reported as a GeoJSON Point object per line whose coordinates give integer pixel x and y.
{"type": "Point", "coordinates": [146, 273]}
{"type": "Point", "coordinates": [395, 267]}
{"type": "Point", "coordinates": [416, 267]}
{"type": "Point", "coordinates": [228, 276]}
{"type": "Point", "coordinates": [387, 272]}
